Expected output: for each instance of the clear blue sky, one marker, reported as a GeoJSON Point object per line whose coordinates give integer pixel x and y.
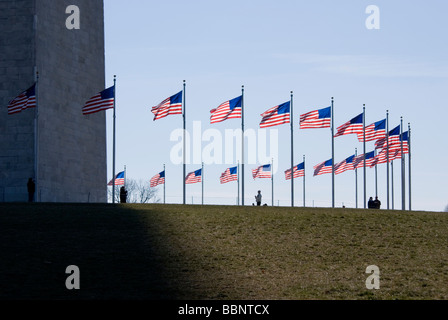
{"type": "Point", "coordinates": [318, 49]}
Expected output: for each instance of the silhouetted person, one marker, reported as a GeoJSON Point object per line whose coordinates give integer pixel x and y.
{"type": "Point", "coordinates": [123, 195]}
{"type": "Point", "coordinates": [377, 203]}
{"type": "Point", "coordinates": [371, 204]}
{"type": "Point", "coordinates": [31, 189]}
{"type": "Point", "coordinates": [258, 198]}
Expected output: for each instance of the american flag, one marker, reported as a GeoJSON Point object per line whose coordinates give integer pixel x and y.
{"type": "Point", "coordinates": [316, 119]}
{"type": "Point", "coordinates": [375, 131]}
{"type": "Point", "coordinates": [394, 140]}
{"type": "Point", "coordinates": [359, 160]}
{"type": "Point", "coordinates": [119, 180]}
{"type": "Point", "coordinates": [262, 172]}
{"type": "Point", "coordinates": [194, 177]}
{"type": "Point", "coordinates": [370, 158]}
{"type": "Point", "coordinates": [170, 106]}
{"type": "Point", "coordinates": [229, 175]}
{"type": "Point", "coordinates": [158, 179]}
{"type": "Point", "coordinates": [231, 109]}
{"type": "Point", "coordinates": [102, 101]}
{"type": "Point", "coordinates": [323, 168]}
{"type": "Point", "coordinates": [405, 138]}
{"type": "Point", "coordinates": [25, 100]}
{"type": "Point", "coordinates": [276, 116]}
{"type": "Point", "coordinates": [381, 157]}
{"type": "Point", "coordinates": [345, 165]}
{"type": "Point", "coordinates": [355, 125]}
{"type": "Point", "coordinates": [299, 171]}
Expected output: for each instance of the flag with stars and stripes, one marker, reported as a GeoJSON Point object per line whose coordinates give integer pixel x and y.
{"type": "Point", "coordinates": [394, 140]}
{"type": "Point", "coordinates": [323, 168]}
{"type": "Point", "coordinates": [231, 174]}
{"type": "Point", "coordinates": [158, 179]}
{"type": "Point", "coordinates": [231, 109]}
{"type": "Point", "coordinates": [119, 180]}
{"type": "Point", "coordinates": [277, 115]}
{"type": "Point", "coordinates": [262, 172]}
{"type": "Point", "coordinates": [299, 171]}
{"type": "Point", "coordinates": [345, 165]}
{"type": "Point", "coordinates": [316, 119]}
{"type": "Point", "coordinates": [194, 177]}
{"type": "Point", "coordinates": [374, 131]}
{"type": "Point", "coordinates": [25, 100]}
{"type": "Point", "coordinates": [359, 160]}
{"type": "Point", "coordinates": [101, 101]}
{"type": "Point", "coordinates": [169, 106]}
{"type": "Point", "coordinates": [356, 126]}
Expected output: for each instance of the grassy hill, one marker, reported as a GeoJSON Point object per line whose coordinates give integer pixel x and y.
{"type": "Point", "coordinates": [220, 253]}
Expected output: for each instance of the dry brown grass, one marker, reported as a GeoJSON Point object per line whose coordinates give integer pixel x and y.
{"type": "Point", "coordinates": [221, 253]}
{"type": "Point", "coordinates": [282, 253]}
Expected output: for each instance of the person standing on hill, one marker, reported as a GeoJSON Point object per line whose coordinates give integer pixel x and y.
{"type": "Point", "coordinates": [123, 195]}
{"type": "Point", "coordinates": [371, 204]}
{"type": "Point", "coordinates": [258, 198]}
{"type": "Point", "coordinates": [31, 189]}
{"type": "Point", "coordinates": [377, 203]}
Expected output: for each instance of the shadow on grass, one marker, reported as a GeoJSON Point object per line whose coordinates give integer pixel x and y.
{"type": "Point", "coordinates": [110, 244]}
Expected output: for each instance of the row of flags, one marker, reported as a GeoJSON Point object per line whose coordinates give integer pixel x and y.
{"type": "Point", "coordinates": [231, 109]}
{"type": "Point", "coordinates": [396, 141]}
{"type": "Point", "coordinates": [104, 100]}
{"type": "Point", "coordinates": [278, 115]}
{"type": "Point", "coordinates": [230, 175]}
{"type": "Point", "coordinates": [388, 149]}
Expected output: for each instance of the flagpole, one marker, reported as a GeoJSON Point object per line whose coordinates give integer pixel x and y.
{"type": "Point", "coordinates": [304, 175]}
{"type": "Point", "coordinates": [238, 175]}
{"type": "Point", "coordinates": [36, 141]}
{"type": "Point", "coordinates": [376, 178]}
{"type": "Point", "coordinates": [392, 175]}
{"type": "Point", "coordinates": [332, 150]}
{"type": "Point", "coordinates": [37, 194]}
{"type": "Point", "coordinates": [364, 144]}
{"type": "Point", "coordinates": [356, 181]}
{"type": "Point", "coordinates": [409, 159]}
{"type": "Point", "coordinates": [292, 149]}
{"type": "Point", "coordinates": [125, 177]}
{"type": "Point", "coordinates": [272, 180]}
{"type": "Point", "coordinates": [387, 152]}
{"type": "Point", "coordinates": [114, 136]}
{"type": "Point", "coordinates": [164, 185]}
{"type": "Point", "coordinates": [242, 147]}
{"type": "Point", "coordinates": [403, 187]}
{"type": "Point", "coordinates": [202, 174]}
{"type": "Point", "coordinates": [184, 145]}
